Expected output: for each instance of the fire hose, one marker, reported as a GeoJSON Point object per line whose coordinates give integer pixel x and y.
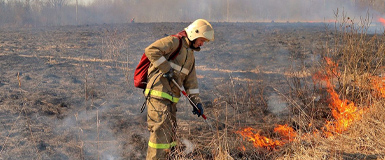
{"type": "Point", "coordinates": [193, 104]}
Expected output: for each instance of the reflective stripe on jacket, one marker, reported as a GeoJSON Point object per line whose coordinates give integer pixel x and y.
{"type": "Point", "coordinates": [161, 95]}
{"type": "Point", "coordinates": [161, 146]}
{"type": "Point", "coordinates": [183, 65]}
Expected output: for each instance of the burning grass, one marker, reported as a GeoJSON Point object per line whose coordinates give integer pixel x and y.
{"type": "Point", "coordinates": [331, 108]}
{"type": "Point", "coordinates": [348, 81]}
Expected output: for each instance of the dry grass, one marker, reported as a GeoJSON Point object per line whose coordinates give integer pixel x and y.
{"type": "Point", "coordinates": [359, 56]}
{"type": "Point", "coordinates": [238, 103]}
{"type": "Point", "coordinates": [362, 141]}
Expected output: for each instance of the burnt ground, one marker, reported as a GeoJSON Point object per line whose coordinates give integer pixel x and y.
{"type": "Point", "coordinates": [67, 92]}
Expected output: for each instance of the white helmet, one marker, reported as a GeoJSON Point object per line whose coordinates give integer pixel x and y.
{"type": "Point", "coordinates": [200, 28]}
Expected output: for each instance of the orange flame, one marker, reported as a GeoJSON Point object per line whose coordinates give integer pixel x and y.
{"type": "Point", "coordinates": [288, 134]}
{"type": "Point", "coordinates": [382, 20]}
{"type": "Point", "coordinates": [378, 84]}
{"type": "Point", "coordinates": [331, 71]}
{"type": "Point", "coordinates": [344, 112]}
{"type": "Point", "coordinates": [258, 140]}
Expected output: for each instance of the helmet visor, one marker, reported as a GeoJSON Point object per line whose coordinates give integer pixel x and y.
{"type": "Point", "coordinates": [209, 35]}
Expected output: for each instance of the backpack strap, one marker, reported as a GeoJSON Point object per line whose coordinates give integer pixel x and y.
{"type": "Point", "coordinates": [180, 35]}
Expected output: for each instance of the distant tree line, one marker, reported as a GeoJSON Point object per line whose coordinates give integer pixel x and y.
{"type": "Point", "coordinates": [33, 12]}
{"type": "Point", "coordinates": [67, 12]}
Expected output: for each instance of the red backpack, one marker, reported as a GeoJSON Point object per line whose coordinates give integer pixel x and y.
{"type": "Point", "coordinates": [141, 71]}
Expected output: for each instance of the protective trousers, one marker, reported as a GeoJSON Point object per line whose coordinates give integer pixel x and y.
{"type": "Point", "coordinates": [161, 121]}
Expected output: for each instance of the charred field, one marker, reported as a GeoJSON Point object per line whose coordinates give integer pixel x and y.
{"type": "Point", "coordinates": [67, 92]}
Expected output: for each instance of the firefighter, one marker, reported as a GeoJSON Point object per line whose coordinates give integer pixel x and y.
{"type": "Point", "coordinates": [162, 94]}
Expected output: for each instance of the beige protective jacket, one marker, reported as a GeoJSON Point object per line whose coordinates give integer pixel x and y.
{"type": "Point", "coordinates": [184, 69]}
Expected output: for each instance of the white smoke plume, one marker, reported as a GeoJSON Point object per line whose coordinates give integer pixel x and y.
{"type": "Point", "coordinates": [189, 145]}
{"type": "Point", "coordinates": [276, 105]}
{"type": "Point", "coordinates": [95, 138]}
{"type": "Point", "coordinates": [123, 11]}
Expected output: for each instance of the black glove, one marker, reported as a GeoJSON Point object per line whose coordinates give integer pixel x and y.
{"type": "Point", "coordinates": [169, 75]}
{"type": "Point", "coordinates": [195, 110]}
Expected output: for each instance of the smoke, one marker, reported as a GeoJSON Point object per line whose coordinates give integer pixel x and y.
{"type": "Point", "coordinates": [96, 138]}
{"type": "Point", "coordinates": [231, 10]}
{"type": "Point", "coordinates": [122, 11]}
{"type": "Point", "coordinates": [276, 105]}
{"type": "Point", "coordinates": [189, 146]}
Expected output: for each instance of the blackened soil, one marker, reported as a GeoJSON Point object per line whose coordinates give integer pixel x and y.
{"type": "Point", "coordinates": [67, 92]}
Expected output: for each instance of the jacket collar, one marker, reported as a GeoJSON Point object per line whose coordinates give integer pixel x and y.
{"type": "Point", "coordinates": [188, 43]}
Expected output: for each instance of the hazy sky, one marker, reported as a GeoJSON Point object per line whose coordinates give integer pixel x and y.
{"type": "Point", "coordinates": [82, 2]}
